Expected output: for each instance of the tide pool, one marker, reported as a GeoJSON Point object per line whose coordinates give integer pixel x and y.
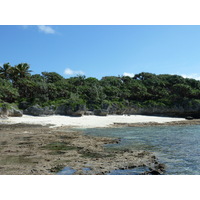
{"type": "Point", "coordinates": [176, 146]}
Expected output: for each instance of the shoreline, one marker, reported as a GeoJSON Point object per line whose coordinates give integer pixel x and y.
{"type": "Point", "coordinates": [148, 124]}
{"type": "Point", "coordinates": [90, 121]}
{"type": "Point", "coordinates": [34, 149]}
{"type": "Point", "coordinates": [45, 148]}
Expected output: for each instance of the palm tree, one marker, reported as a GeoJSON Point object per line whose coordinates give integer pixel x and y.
{"type": "Point", "coordinates": [5, 71]}
{"type": "Point", "coordinates": [22, 70]}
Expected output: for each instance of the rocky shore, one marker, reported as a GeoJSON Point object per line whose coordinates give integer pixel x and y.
{"type": "Point", "coordinates": [81, 110]}
{"type": "Point", "coordinates": [172, 123]}
{"type": "Point", "coordinates": [36, 149]}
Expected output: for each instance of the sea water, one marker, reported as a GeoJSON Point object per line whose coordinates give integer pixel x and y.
{"type": "Point", "coordinates": [178, 147]}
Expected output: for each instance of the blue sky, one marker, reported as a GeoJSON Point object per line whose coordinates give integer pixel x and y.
{"type": "Point", "coordinates": [98, 51]}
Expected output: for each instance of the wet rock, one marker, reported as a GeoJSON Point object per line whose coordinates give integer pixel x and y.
{"type": "Point", "coordinates": [154, 172]}
{"type": "Point", "coordinates": [161, 167]}
{"type": "Point", "coordinates": [157, 170]}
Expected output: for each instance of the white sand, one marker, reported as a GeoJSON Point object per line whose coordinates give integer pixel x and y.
{"type": "Point", "coordinates": [87, 121]}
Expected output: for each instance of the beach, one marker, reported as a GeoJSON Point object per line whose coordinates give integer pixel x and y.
{"type": "Point", "coordinates": [46, 145]}
{"type": "Point", "coordinates": [89, 121]}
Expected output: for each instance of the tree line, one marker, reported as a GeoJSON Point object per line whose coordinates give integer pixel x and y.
{"type": "Point", "coordinates": [17, 85]}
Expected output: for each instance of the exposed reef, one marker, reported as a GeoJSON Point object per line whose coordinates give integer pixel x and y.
{"type": "Point", "coordinates": [35, 149]}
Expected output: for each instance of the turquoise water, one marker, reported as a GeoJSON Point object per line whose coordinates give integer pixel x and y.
{"type": "Point", "coordinates": [176, 146]}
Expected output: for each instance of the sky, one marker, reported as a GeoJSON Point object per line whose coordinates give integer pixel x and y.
{"type": "Point", "coordinates": [98, 51]}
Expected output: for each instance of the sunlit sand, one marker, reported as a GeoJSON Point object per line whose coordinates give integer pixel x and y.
{"type": "Point", "coordinates": [88, 121]}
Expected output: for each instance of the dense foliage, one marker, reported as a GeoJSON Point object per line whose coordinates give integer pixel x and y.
{"type": "Point", "coordinates": [49, 88]}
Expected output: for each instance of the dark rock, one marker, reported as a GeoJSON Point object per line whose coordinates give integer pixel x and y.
{"type": "Point", "coordinates": [101, 112]}
{"type": "Point", "coordinates": [13, 112]}
{"type": "Point", "coordinates": [78, 113]}
{"type": "Point", "coordinates": [189, 118]}
{"type": "Point", "coordinates": [79, 110]}
{"type": "Point", "coordinates": [153, 172]}
{"type": "Point", "coordinates": [35, 110]}
{"type": "Point", "coordinates": [106, 106]}
{"type": "Point", "coordinates": [61, 110]}
{"type": "Point", "coordinates": [161, 167]}
{"type": "Point", "coordinates": [89, 113]}
{"type": "Point", "coordinates": [49, 110]}
{"type": "Point", "coordinates": [158, 169]}
{"type": "Point", "coordinates": [119, 112]}
{"type": "Point", "coordinates": [115, 109]}
{"type": "Point", "coordinates": [24, 105]}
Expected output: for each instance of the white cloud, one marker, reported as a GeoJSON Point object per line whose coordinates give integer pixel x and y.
{"type": "Point", "coordinates": [128, 74]}
{"type": "Point", "coordinates": [46, 29]}
{"type": "Point", "coordinates": [69, 71]}
{"type": "Point", "coordinates": [194, 76]}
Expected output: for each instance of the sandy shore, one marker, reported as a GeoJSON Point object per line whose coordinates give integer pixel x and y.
{"type": "Point", "coordinates": [88, 121]}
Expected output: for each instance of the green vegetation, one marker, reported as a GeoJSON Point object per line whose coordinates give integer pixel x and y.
{"type": "Point", "coordinates": [58, 146]}
{"type": "Point", "coordinates": [17, 85]}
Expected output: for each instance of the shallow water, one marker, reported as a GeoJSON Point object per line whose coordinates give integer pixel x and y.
{"type": "Point", "coordinates": [176, 146]}
{"type": "Point", "coordinates": [66, 171]}
{"type": "Point", "coordinates": [134, 171]}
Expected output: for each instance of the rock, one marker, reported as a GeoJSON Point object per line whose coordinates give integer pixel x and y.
{"type": "Point", "coordinates": [24, 105]}
{"type": "Point", "coordinates": [101, 112]}
{"type": "Point", "coordinates": [35, 110]}
{"type": "Point", "coordinates": [78, 113]}
{"type": "Point", "coordinates": [61, 110]}
{"type": "Point", "coordinates": [189, 118]}
{"type": "Point", "coordinates": [49, 110]}
{"type": "Point", "coordinates": [161, 167]}
{"type": "Point", "coordinates": [119, 112]}
{"type": "Point", "coordinates": [3, 111]}
{"type": "Point", "coordinates": [152, 172]}
{"type": "Point", "coordinates": [13, 112]}
{"type": "Point", "coordinates": [10, 111]}
{"type": "Point", "coordinates": [106, 106]}
{"type": "Point", "coordinates": [89, 113]}
{"type": "Point", "coordinates": [79, 110]}
{"type": "Point", "coordinates": [158, 169]}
